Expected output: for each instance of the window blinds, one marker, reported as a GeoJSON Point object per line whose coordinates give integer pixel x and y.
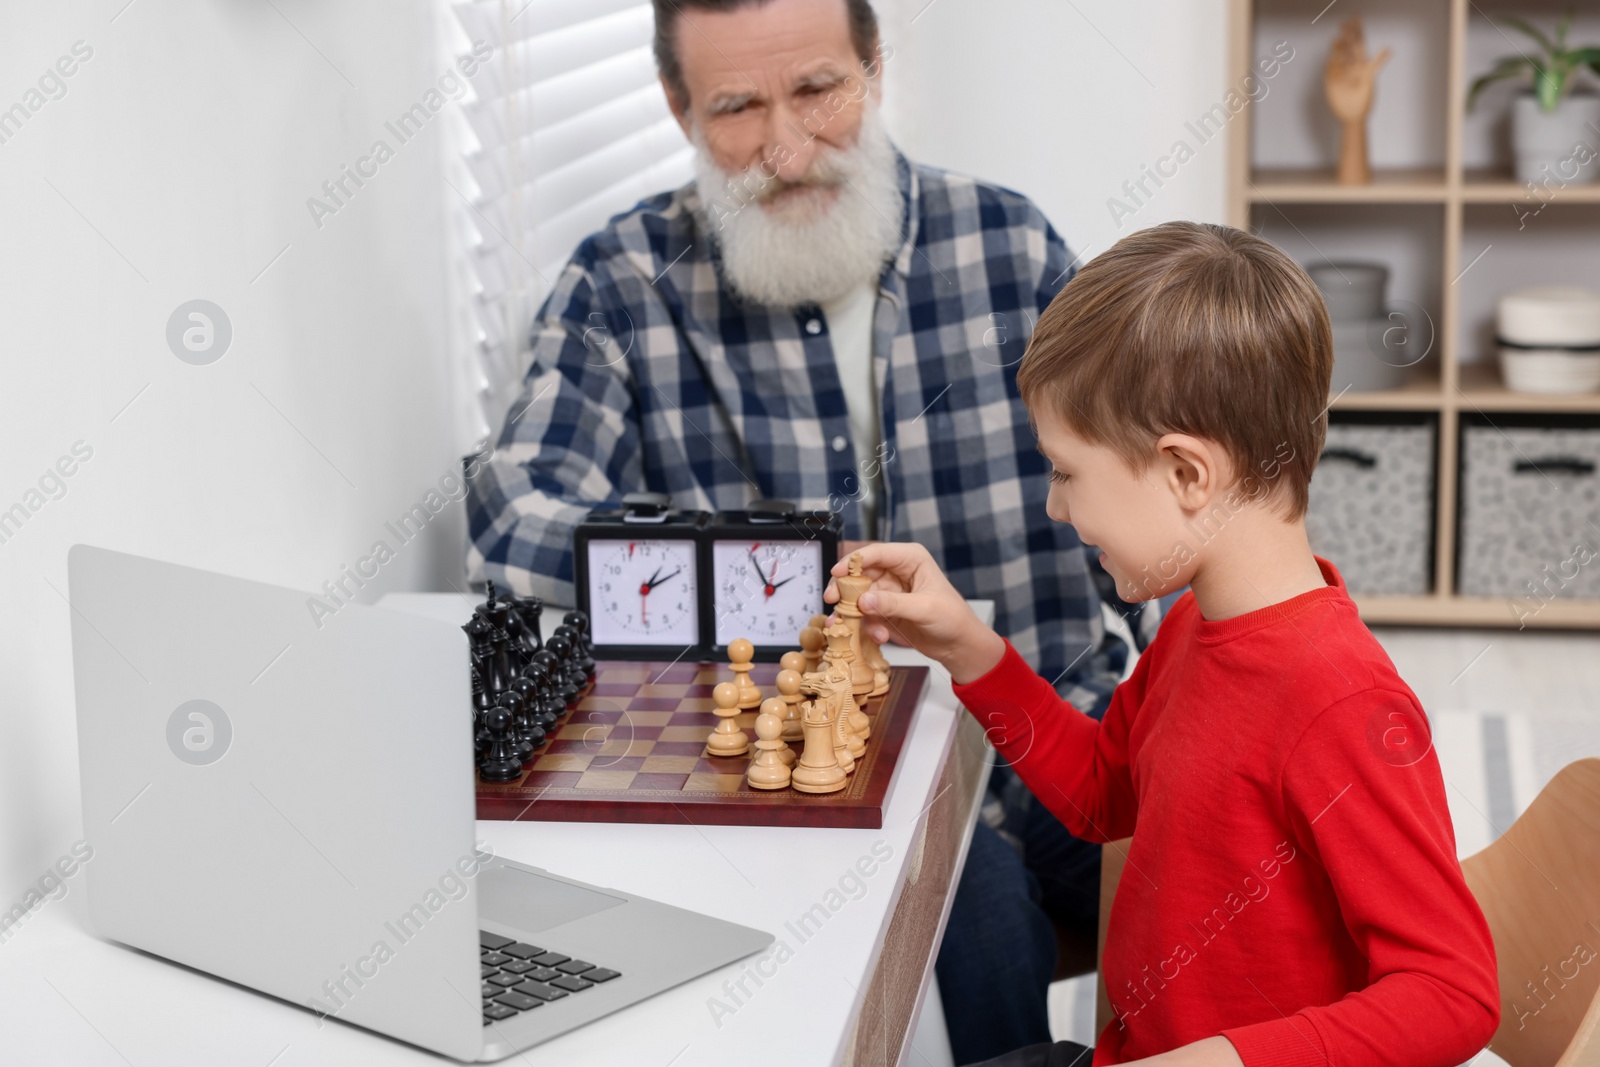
{"type": "Point", "coordinates": [571, 127]}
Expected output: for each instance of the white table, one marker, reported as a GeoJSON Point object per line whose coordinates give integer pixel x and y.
{"type": "Point", "coordinates": [847, 994]}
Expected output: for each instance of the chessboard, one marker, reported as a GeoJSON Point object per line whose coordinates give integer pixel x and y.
{"type": "Point", "coordinates": [633, 749]}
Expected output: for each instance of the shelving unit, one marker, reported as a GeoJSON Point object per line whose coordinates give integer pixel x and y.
{"type": "Point", "coordinates": [1438, 209]}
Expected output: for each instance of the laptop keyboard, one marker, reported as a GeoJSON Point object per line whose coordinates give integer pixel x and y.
{"type": "Point", "coordinates": [519, 977]}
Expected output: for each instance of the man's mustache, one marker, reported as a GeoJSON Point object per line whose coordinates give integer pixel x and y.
{"type": "Point", "coordinates": [760, 188]}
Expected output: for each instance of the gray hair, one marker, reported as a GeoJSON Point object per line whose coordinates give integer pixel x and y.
{"type": "Point", "coordinates": [863, 35]}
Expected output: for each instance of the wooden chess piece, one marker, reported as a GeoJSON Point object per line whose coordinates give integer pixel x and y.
{"type": "Point", "coordinates": [839, 658]}
{"type": "Point", "coordinates": [851, 586]}
{"type": "Point", "coordinates": [776, 706]}
{"type": "Point", "coordinates": [819, 621]}
{"type": "Point", "coordinates": [873, 653]}
{"type": "Point", "coordinates": [811, 640]}
{"type": "Point", "coordinates": [1347, 82]}
{"type": "Point", "coordinates": [818, 770]}
{"type": "Point", "coordinates": [832, 687]}
{"type": "Point", "coordinates": [789, 691]}
{"type": "Point", "coordinates": [843, 752]}
{"type": "Point", "coordinates": [726, 738]}
{"type": "Point", "coordinates": [793, 660]}
{"type": "Point", "coordinates": [767, 770]}
{"type": "Point", "coordinates": [741, 653]}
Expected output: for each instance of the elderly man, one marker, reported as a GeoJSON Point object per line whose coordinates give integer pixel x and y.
{"type": "Point", "coordinates": [817, 319]}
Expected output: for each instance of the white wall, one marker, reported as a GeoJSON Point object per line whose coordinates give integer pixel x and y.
{"type": "Point", "coordinates": [177, 166]}
{"type": "Point", "coordinates": [1063, 101]}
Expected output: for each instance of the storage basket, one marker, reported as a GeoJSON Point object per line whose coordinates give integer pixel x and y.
{"type": "Point", "coordinates": [1372, 499]}
{"type": "Point", "coordinates": [1529, 506]}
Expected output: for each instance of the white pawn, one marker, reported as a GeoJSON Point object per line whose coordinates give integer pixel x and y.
{"type": "Point", "coordinates": [789, 691]}
{"type": "Point", "coordinates": [741, 653]}
{"type": "Point", "coordinates": [726, 738]}
{"type": "Point", "coordinates": [768, 770]}
{"type": "Point", "coordinates": [776, 706]}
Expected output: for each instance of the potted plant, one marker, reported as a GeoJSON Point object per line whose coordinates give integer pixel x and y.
{"type": "Point", "coordinates": [1554, 130]}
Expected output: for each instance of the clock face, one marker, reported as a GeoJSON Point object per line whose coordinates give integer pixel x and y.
{"type": "Point", "coordinates": [643, 592]}
{"type": "Point", "coordinates": [766, 590]}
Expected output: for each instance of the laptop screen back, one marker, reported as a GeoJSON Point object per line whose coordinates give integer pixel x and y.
{"type": "Point", "coordinates": [279, 796]}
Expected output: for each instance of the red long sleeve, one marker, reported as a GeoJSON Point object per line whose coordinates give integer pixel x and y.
{"type": "Point", "coordinates": [1292, 884]}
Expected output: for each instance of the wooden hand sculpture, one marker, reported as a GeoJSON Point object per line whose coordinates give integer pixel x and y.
{"type": "Point", "coordinates": [1347, 81]}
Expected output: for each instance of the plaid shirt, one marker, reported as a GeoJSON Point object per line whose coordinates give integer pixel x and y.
{"type": "Point", "coordinates": [650, 373]}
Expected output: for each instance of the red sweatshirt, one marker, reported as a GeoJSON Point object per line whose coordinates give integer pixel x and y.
{"type": "Point", "coordinates": [1293, 883]}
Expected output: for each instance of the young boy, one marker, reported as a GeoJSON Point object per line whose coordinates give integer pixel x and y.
{"type": "Point", "coordinates": [1291, 895]}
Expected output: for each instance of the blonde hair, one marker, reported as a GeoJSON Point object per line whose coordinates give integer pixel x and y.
{"type": "Point", "coordinates": [1191, 328]}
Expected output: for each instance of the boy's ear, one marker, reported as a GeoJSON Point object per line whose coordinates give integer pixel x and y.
{"type": "Point", "coordinates": [1192, 467]}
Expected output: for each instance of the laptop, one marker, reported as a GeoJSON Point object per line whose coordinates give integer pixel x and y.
{"type": "Point", "coordinates": [285, 799]}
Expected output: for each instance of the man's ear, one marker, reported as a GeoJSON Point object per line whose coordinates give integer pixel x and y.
{"type": "Point", "coordinates": [1194, 468]}
{"type": "Point", "coordinates": [679, 108]}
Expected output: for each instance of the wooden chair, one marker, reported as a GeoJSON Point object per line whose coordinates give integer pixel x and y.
{"type": "Point", "coordinates": [1539, 887]}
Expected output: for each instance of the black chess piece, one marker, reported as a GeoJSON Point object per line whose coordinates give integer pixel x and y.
{"type": "Point", "coordinates": [502, 763]}
{"type": "Point", "coordinates": [539, 677]}
{"type": "Point", "coordinates": [553, 666]}
{"type": "Point", "coordinates": [511, 700]}
{"type": "Point", "coordinates": [498, 614]}
{"type": "Point", "coordinates": [559, 647]}
{"type": "Point", "coordinates": [480, 736]}
{"type": "Point", "coordinates": [479, 648]}
{"type": "Point", "coordinates": [529, 725]}
{"type": "Point", "coordinates": [574, 664]}
{"type": "Point", "coordinates": [499, 665]}
{"type": "Point", "coordinates": [527, 610]}
{"type": "Point", "coordinates": [579, 622]}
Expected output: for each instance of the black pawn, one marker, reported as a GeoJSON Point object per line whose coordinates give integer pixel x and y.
{"type": "Point", "coordinates": [559, 647]}
{"type": "Point", "coordinates": [513, 703]}
{"type": "Point", "coordinates": [529, 725]}
{"type": "Point", "coordinates": [557, 685]}
{"type": "Point", "coordinates": [537, 676]}
{"type": "Point", "coordinates": [578, 622]}
{"type": "Point", "coordinates": [575, 669]}
{"type": "Point", "coordinates": [502, 763]}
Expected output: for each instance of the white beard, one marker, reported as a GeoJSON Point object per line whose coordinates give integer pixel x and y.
{"type": "Point", "coordinates": [802, 251]}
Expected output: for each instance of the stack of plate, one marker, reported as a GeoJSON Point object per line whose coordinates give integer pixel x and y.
{"type": "Point", "coordinates": [1549, 340]}
{"type": "Point", "coordinates": [1362, 357]}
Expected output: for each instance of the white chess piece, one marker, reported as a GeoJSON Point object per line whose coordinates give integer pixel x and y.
{"type": "Point", "coordinates": [789, 692]}
{"type": "Point", "coordinates": [776, 706]}
{"type": "Point", "coordinates": [741, 653]}
{"type": "Point", "coordinates": [768, 770]}
{"type": "Point", "coordinates": [726, 738]}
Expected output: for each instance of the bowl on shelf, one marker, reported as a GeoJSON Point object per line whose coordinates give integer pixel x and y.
{"type": "Point", "coordinates": [1351, 290]}
{"type": "Point", "coordinates": [1369, 353]}
{"type": "Point", "coordinates": [1549, 340]}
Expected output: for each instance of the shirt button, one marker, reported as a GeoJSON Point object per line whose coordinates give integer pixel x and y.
{"type": "Point", "coordinates": [840, 444]}
{"type": "Point", "coordinates": [813, 326]}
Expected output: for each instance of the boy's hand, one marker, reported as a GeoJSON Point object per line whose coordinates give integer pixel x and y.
{"type": "Point", "coordinates": [911, 600]}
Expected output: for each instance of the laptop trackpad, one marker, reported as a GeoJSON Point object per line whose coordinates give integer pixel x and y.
{"type": "Point", "coordinates": [532, 902]}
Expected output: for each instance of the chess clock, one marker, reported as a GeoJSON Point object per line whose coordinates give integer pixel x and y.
{"type": "Point", "coordinates": [656, 581]}
{"type": "Point", "coordinates": [638, 574]}
{"type": "Point", "coordinates": [768, 566]}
